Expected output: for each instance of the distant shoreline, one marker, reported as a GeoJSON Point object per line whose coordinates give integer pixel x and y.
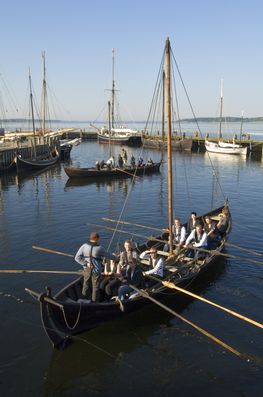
{"type": "Point", "coordinates": [229, 119]}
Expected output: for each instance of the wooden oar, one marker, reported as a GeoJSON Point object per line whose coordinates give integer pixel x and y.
{"type": "Point", "coordinates": [127, 232]}
{"type": "Point", "coordinates": [184, 291]}
{"type": "Point", "coordinates": [20, 271]}
{"type": "Point", "coordinates": [244, 249]}
{"type": "Point", "coordinates": [215, 252]}
{"type": "Point", "coordinates": [128, 173]}
{"type": "Point", "coordinates": [133, 224]}
{"type": "Point", "coordinates": [199, 329]}
{"type": "Point", "coordinates": [51, 251]}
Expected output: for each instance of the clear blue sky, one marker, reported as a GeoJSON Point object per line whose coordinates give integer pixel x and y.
{"type": "Point", "coordinates": [210, 39]}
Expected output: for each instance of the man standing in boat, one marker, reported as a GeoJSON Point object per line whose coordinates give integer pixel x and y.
{"type": "Point", "coordinates": [90, 256]}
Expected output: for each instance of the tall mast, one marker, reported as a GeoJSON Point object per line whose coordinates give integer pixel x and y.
{"type": "Point", "coordinates": [44, 96]}
{"type": "Point", "coordinates": [169, 134]}
{"type": "Point", "coordinates": [163, 105]}
{"type": "Point", "coordinates": [33, 118]}
{"type": "Point", "coordinates": [221, 111]}
{"type": "Point", "coordinates": [112, 91]}
{"type": "Point", "coordinates": [109, 111]}
{"type": "Point", "coordinates": [241, 126]}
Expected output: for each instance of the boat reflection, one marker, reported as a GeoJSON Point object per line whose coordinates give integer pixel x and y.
{"type": "Point", "coordinates": [96, 356]}
{"type": "Point", "coordinates": [119, 184]}
{"type": "Point", "coordinates": [227, 159]}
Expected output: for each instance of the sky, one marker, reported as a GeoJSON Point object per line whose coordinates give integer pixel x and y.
{"type": "Point", "coordinates": [211, 40]}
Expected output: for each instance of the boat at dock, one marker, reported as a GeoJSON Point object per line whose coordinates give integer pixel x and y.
{"type": "Point", "coordinates": [176, 144]}
{"type": "Point", "coordinates": [114, 134]}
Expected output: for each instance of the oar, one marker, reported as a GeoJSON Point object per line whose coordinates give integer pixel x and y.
{"type": "Point", "coordinates": [126, 232]}
{"type": "Point", "coordinates": [184, 291]}
{"type": "Point", "coordinates": [52, 251]}
{"type": "Point", "coordinates": [215, 252]}
{"type": "Point", "coordinates": [199, 329]}
{"type": "Point", "coordinates": [20, 271]}
{"type": "Point", "coordinates": [133, 224]}
{"type": "Point", "coordinates": [245, 249]}
{"type": "Point", "coordinates": [128, 173]}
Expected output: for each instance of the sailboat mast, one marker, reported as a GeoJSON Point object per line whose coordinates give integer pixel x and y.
{"type": "Point", "coordinates": [109, 111]}
{"type": "Point", "coordinates": [163, 106]}
{"type": "Point", "coordinates": [33, 118]}
{"type": "Point", "coordinates": [169, 139]}
{"type": "Point", "coordinates": [221, 111]}
{"type": "Point", "coordinates": [44, 95]}
{"type": "Point", "coordinates": [112, 91]}
{"type": "Point", "coordinates": [241, 127]}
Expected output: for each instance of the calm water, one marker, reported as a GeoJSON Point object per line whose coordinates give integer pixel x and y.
{"type": "Point", "coordinates": [149, 351]}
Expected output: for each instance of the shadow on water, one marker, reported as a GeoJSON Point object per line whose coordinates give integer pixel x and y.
{"type": "Point", "coordinates": [109, 349]}
{"type": "Point", "coordinates": [119, 184]}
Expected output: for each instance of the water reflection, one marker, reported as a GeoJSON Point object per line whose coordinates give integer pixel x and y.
{"type": "Point", "coordinates": [112, 185]}
{"type": "Point", "coordinates": [98, 356]}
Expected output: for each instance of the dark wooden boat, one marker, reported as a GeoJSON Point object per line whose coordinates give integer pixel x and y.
{"type": "Point", "coordinates": [68, 314]}
{"type": "Point", "coordinates": [77, 172]}
{"type": "Point", "coordinates": [177, 144]}
{"type": "Point", "coordinates": [34, 163]}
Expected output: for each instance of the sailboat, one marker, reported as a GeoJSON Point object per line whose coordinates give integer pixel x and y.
{"type": "Point", "coordinates": [221, 146]}
{"type": "Point", "coordinates": [65, 314]}
{"type": "Point", "coordinates": [117, 135]}
{"type": "Point", "coordinates": [36, 162]}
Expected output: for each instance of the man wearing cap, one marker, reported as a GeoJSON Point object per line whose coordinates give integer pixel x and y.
{"type": "Point", "coordinates": [90, 256]}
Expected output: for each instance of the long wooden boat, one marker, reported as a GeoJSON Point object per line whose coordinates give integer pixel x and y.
{"type": "Point", "coordinates": [34, 164]}
{"type": "Point", "coordinates": [120, 136]}
{"type": "Point", "coordinates": [178, 144]}
{"type": "Point", "coordinates": [77, 172]}
{"type": "Point", "coordinates": [67, 314]}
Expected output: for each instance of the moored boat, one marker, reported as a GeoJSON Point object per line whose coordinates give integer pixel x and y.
{"type": "Point", "coordinates": [176, 144]}
{"type": "Point", "coordinates": [225, 148]}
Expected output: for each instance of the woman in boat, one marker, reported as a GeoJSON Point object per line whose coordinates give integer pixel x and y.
{"type": "Point", "coordinates": [223, 221]}
{"type": "Point", "coordinates": [212, 232]}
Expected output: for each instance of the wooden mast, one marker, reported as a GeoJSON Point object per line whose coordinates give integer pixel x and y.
{"type": "Point", "coordinates": [169, 152]}
{"type": "Point", "coordinates": [112, 91]}
{"type": "Point", "coordinates": [221, 111]}
{"type": "Point", "coordinates": [109, 116]}
{"type": "Point", "coordinates": [33, 118]}
{"type": "Point", "coordinates": [44, 95]}
{"type": "Point", "coordinates": [163, 105]}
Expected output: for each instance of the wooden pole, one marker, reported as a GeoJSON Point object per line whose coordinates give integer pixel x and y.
{"type": "Point", "coordinates": [52, 251]}
{"type": "Point", "coordinates": [232, 312]}
{"type": "Point", "coordinates": [20, 271]}
{"type": "Point", "coordinates": [169, 139]}
{"type": "Point", "coordinates": [199, 329]}
{"type": "Point", "coordinates": [126, 172]}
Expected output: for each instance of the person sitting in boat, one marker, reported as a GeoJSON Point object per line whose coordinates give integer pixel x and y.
{"type": "Point", "coordinates": [124, 156]}
{"type": "Point", "coordinates": [110, 162]}
{"type": "Point", "coordinates": [212, 232]}
{"type": "Point", "coordinates": [133, 161]}
{"type": "Point", "coordinates": [179, 235]}
{"type": "Point", "coordinates": [102, 164]}
{"type": "Point", "coordinates": [97, 165]}
{"type": "Point", "coordinates": [111, 286]}
{"type": "Point", "coordinates": [192, 222]}
{"type": "Point", "coordinates": [156, 264]}
{"type": "Point", "coordinates": [134, 277]}
{"type": "Point", "coordinates": [120, 161]}
{"type": "Point", "coordinates": [196, 239]}
{"type": "Point", "coordinates": [149, 162]}
{"type": "Point", "coordinates": [223, 221]}
{"type": "Point", "coordinates": [90, 256]}
{"type": "Point", "coordinates": [140, 162]}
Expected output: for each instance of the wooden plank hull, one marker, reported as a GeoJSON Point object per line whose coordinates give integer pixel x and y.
{"type": "Point", "coordinates": [120, 140]}
{"type": "Point", "coordinates": [77, 172]}
{"type": "Point", "coordinates": [34, 164]}
{"type": "Point", "coordinates": [180, 144]}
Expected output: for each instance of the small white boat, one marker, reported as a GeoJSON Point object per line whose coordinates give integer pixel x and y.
{"type": "Point", "coordinates": [225, 148]}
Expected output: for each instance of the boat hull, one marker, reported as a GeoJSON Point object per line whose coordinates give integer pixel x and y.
{"type": "Point", "coordinates": [120, 140]}
{"type": "Point", "coordinates": [180, 144]}
{"type": "Point", "coordinates": [31, 164]}
{"type": "Point", "coordinates": [77, 172]}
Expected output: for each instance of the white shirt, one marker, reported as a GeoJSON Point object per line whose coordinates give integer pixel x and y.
{"type": "Point", "coordinates": [181, 236]}
{"type": "Point", "coordinates": [201, 243]}
{"type": "Point", "coordinates": [157, 264]}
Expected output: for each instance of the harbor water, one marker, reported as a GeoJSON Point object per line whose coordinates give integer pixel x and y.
{"type": "Point", "coordinates": [149, 351]}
